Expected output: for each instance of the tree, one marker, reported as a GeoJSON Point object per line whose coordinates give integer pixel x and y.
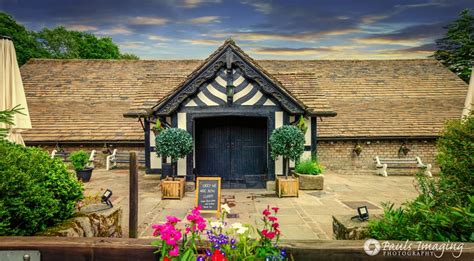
{"type": "Point", "coordinates": [287, 141]}
{"type": "Point", "coordinates": [58, 43]}
{"type": "Point", "coordinates": [6, 119]}
{"type": "Point", "coordinates": [65, 44]}
{"type": "Point", "coordinates": [26, 45]}
{"type": "Point", "coordinates": [456, 48]}
{"type": "Point", "coordinates": [174, 143]}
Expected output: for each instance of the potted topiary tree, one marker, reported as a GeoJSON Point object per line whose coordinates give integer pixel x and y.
{"type": "Point", "coordinates": [80, 162]}
{"type": "Point", "coordinates": [288, 142]}
{"type": "Point", "coordinates": [309, 175]}
{"type": "Point", "coordinates": [176, 144]}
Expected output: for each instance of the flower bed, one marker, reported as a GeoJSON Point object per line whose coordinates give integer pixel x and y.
{"type": "Point", "coordinates": [218, 240]}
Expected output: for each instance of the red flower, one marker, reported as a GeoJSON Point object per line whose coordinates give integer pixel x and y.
{"type": "Point", "coordinates": [272, 219]}
{"type": "Point", "coordinates": [166, 259]}
{"type": "Point", "coordinates": [218, 256]}
{"type": "Point", "coordinates": [275, 209]}
{"type": "Point", "coordinates": [266, 212]}
{"type": "Point", "coordinates": [275, 225]}
{"type": "Point", "coordinates": [267, 234]}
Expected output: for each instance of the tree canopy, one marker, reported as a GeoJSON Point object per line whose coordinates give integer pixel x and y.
{"type": "Point", "coordinates": [58, 43]}
{"type": "Point", "coordinates": [456, 48]}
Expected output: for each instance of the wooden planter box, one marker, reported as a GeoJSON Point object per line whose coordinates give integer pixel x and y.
{"type": "Point", "coordinates": [172, 189]}
{"type": "Point", "coordinates": [287, 187]}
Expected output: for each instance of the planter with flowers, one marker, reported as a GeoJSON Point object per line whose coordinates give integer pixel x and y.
{"type": "Point", "coordinates": [309, 175]}
{"type": "Point", "coordinates": [176, 144]}
{"type": "Point", "coordinates": [218, 240]}
{"type": "Point", "coordinates": [288, 142]}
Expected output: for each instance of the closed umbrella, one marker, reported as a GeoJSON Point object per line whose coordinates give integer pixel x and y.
{"type": "Point", "coordinates": [11, 91]}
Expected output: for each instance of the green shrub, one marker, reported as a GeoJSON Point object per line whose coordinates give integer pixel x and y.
{"type": "Point", "coordinates": [174, 143]}
{"type": "Point", "coordinates": [444, 210]}
{"type": "Point", "coordinates": [35, 190]}
{"type": "Point", "coordinates": [79, 160]}
{"type": "Point", "coordinates": [288, 142]}
{"type": "Point", "coordinates": [309, 166]}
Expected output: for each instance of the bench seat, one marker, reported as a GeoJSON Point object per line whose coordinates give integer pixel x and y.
{"type": "Point", "coordinates": [383, 164]}
{"type": "Point", "coordinates": [122, 157]}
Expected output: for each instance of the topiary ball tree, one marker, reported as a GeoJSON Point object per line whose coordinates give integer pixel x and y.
{"type": "Point", "coordinates": [288, 142]}
{"type": "Point", "coordinates": [174, 143]}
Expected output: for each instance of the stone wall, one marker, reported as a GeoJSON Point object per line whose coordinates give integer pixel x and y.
{"type": "Point", "coordinates": [98, 223]}
{"type": "Point", "coordinates": [339, 155]}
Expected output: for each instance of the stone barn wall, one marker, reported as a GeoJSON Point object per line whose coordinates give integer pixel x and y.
{"type": "Point", "coordinates": [339, 155]}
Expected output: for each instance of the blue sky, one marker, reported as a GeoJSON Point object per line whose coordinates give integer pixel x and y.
{"type": "Point", "coordinates": [192, 29]}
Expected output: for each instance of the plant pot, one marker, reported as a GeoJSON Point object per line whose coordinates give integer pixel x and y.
{"type": "Point", "coordinates": [287, 187]}
{"type": "Point", "coordinates": [172, 189]}
{"type": "Point", "coordinates": [85, 174]}
{"type": "Point", "coordinates": [310, 182]}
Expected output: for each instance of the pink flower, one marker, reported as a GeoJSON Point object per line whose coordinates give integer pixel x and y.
{"type": "Point", "coordinates": [191, 217]}
{"type": "Point", "coordinates": [174, 251]}
{"type": "Point", "coordinates": [275, 209]}
{"type": "Point", "coordinates": [272, 219]}
{"type": "Point", "coordinates": [173, 219]}
{"type": "Point", "coordinates": [201, 226]}
{"type": "Point", "coordinates": [275, 225]}
{"type": "Point", "coordinates": [187, 230]}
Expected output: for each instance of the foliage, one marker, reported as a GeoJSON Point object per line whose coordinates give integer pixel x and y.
{"type": "Point", "coordinates": [36, 191]}
{"type": "Point", "coordinates": [58, 43]}
{"type": "Point", "coordinates": [456, 48]}
{"type": "Point", "coordinates": [309, 166]}
{"type": "Point", "coordinates": [444, 210]}
{"type": "Point", "coordinates": [288, 142]}
{"type": "Point", "coordinates": [6, 117]}
{"type": "Point", "coordinates": [79, 159]}
{"type": "Point", "coordinates": [301, 124]}
{"type": "Point", "coordinates": [174, 143]}
{"type": "Point", "coordinates": [26, 46]}
{"type": "Point", "coordinates": [226, 242]}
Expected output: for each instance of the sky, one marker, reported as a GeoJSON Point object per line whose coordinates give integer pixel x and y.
{"type": "Point", "coordinates": [192, 29]}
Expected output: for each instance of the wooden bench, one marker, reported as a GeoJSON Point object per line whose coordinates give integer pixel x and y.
{"type": "Point", "coordinates": [122, 157]}
{"type": "Point", "coordinates": [382, 164]}
{"type": "Point", "coordinates": [64, 156]}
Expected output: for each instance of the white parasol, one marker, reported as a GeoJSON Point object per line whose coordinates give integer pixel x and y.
{"type": "Point", "coordinates": [11, 91]}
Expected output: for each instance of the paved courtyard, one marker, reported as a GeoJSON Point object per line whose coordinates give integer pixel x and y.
{"type": "Point", "coordinates": [307, 217]}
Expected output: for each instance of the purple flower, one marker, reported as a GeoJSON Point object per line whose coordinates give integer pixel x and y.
{"type": "Point", "coordinates": [208, 252]}
{"type": "Point", "coordinates": [232, 241]}
{"type": "Point", "coordinates": [200, 258]}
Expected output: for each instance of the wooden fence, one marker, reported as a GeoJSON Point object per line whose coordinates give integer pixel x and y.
{"type": "Point", "coordinates": [117, 249]}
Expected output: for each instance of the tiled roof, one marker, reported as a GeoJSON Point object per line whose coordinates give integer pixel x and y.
{"type": "Point", "coordinates": [84, 100]}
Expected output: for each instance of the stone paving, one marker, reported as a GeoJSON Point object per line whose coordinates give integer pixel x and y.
{"type": "Point", "coordinates": [304, 218]}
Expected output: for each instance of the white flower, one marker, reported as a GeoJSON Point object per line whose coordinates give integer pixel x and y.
{"type": "Point", "coordinates": [225, 208]}
{"type": "Point", "coordinates": [239, 229]}
{"type": "Point", "coordinates": [216, 224]}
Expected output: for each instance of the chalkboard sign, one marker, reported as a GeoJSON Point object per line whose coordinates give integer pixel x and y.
{"type": "Point", "coordinates": [208, 194]}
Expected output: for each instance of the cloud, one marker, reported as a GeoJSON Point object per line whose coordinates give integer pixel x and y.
{"type": "Point", "coordinates": [203, 42]}
{"type": "Point", "coordinates": [370, 19]}
{"type": "Point", "coordinates": [158, 38]}
{"type": "Point", "coordinates": [196, 3]}
{"type": "Point", "coordinates": [303, 37]}
{"type": "Point", "coordinates": [114, 31]}
{"type": "Point", "coordinates": [265, 8]}
{"type": "Point", "coordinates": [288, 51]}
{"type": "Point", "coordinates": [410, 36]}
{"type": "Point", "coordinates": [147, 20]}
{"type": "Point", "coordinates": [425, 49]}
{"type": "Point", "coordinates": [81, 27]}
{"type": "Point", "coordinates": [204, 20]}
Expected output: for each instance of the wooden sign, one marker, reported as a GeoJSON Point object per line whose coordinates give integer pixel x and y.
{"type": "Point", "coordinates": [208, 194]}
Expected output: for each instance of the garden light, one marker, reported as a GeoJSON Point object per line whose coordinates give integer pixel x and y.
{"type": "Point", "coordinates": [106, 198]}
{"type": "Point", "coordinates": [363, 213]}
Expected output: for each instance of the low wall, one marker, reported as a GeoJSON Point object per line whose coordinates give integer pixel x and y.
{"type": "Point", "coordinates": [117, 249]}
{"type": "Point", "coordinates": [90, 222]}
{"type": "Point", "coordinates": [339, 155]}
